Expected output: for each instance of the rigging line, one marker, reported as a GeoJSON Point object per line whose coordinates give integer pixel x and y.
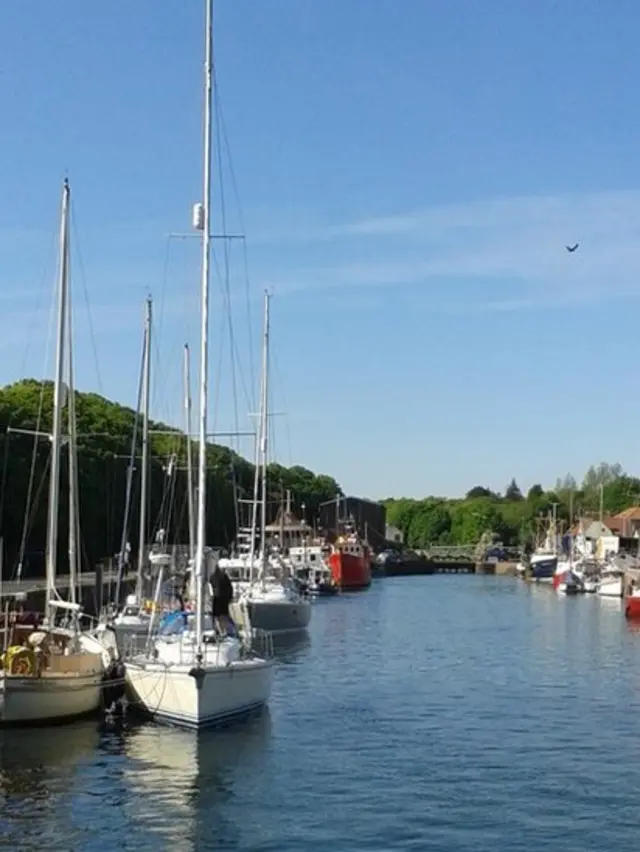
{"type": "Point", "coordinates": [157, 370]}
{"type": "Point", "coordinates": [85, 293]}
{"type": "Point", "coordinates": [34, 454]}
{"type": "Point", "coordinates": [218, 375]}
{"type": "Point", "coordinates": [280, 382]}
{"type": "Point", "coordinates": [225, 256]}
{"type": "Point", "coordinates": [30, 518]}
{"type": "Point", "coordinates": [5, 467]}
{"type": "Point", "coordinates": [234, 184]}
{"type": "Point", "coordinates": [38, 298]}
{"type": "Point", "coordinates": [227, 291]}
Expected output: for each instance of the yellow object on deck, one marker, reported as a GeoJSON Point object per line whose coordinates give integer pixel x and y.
{"type": "Point", "coordinates": [19, 660]}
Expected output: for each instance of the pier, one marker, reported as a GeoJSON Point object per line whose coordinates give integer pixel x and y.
{"type": "Point", "coordinates": [93, 587]}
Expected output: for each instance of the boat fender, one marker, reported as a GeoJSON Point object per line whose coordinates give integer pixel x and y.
{"type": "Point", "coordinates": [197, 673]}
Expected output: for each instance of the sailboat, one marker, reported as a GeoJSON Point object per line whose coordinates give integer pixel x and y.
{"type": "Point", "coordinates": [55, 672]}
{"type": "Point", "coordinates": [198, 677]}
{"type": "Point", "coordinates": [273, 600]}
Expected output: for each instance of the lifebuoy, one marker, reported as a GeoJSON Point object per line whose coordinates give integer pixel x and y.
{"type": "Point", "coordinates": [19, 661]}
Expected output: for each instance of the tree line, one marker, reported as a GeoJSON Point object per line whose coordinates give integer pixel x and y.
{"type": "Point", "coordinates": [105, 431]}
{"type": "Point", "coordinates": [512, 518]}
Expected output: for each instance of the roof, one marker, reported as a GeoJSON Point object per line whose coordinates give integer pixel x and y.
{"type": "Point", "coordinates": [288, 522]}
{"type": "Point", "coordinates": [586, 522]}
{"type": "Point", "coordinates": [630, 514]}
{"type": "Point", "coordinates": [609, 523]}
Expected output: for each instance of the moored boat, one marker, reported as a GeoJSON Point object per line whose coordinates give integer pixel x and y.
{"type": "Point", "coordinates": [201, 675]}
{"type": "Point", "coordinates": [350, 562]}
{"type": "Point", "coordinates": [632, 605]}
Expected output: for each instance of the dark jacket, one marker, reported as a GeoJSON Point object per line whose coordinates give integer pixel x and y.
{"type": "Point", "coordinates": [221, 586]}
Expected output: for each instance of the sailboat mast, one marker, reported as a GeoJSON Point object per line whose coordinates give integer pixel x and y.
{"type": "Point", "coordinates": [142, 538]}
{"type": "Point", "coordinates": [74, 549]}
{"type": "Point", "coordinates": [124, 539]}
{"type": "Point", "coordinates": [256, 492]}
{"type": "Point", "coordinates": [56, 432]}
{"type": "Point", "coordinates": [264, 432]}
{"type": "Point", "coordinates": [204, 327]}
{"type": "Point", "coordinates": [187, 423]}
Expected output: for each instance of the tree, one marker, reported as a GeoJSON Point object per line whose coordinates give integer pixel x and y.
{"type": "Point", "coordinates": [565, 484]}
{"type": "Point", "coordinates": [601, 474]}
{"type": "Point", "coordinates": [513, 492]}
{"type": "Point", "coordinates": [105, 431]}
{"type": "Point", "coordinates": [479, 491]}
{"type": "Point", "coordinates": [430, 524]}
{"type": "Point", "coordinates": [535, 493]}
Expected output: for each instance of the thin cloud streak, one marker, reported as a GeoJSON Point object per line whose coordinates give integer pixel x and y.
{"type": "Point", "coordinates": [514, 242]}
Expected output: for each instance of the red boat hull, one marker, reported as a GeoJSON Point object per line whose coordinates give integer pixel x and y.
{"type": "Point", "coordinates": [632, 608]}
{"type": "Point", "coordinates": [350, 571]}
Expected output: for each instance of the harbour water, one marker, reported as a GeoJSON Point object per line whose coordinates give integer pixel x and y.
{"type": "Point", "coordinates": [440, 713]}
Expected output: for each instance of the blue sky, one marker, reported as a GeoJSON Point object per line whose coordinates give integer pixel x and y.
{"type": "Point", "coordinates": [408, 175]}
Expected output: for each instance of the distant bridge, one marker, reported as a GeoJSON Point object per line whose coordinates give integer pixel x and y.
{"type": "Point", "coordinates": [465, 552]}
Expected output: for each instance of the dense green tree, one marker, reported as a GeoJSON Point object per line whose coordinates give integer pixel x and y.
{"type": "Point", "coordinates": [105, 432]}
{"type": "Point", "coordinates": [479, 491]}
{"type": "Point", "coordinates": [512, 519]}
{"type": "Point", "coordinates": [535, 493]}
{"type": "Point", "coordinates": [512, 491]}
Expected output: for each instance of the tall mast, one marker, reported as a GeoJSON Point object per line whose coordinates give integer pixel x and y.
{"type": "Point", "coordinates": [256, 492]}
{"type": "Point", "coordinates": [204, 328]}
{"type": "Point", "coordinates": [264, 432]}
{"type": "Point", "coordinates": [74, 549]}
{"type": "Point", "coordinates": [124, 539]}
{"type": "Point", "coordinates": [142, 539]}
{"type": "Point", "coordinates": [187, 423]}
{"type": "Point", "coordinates": [56, 433]}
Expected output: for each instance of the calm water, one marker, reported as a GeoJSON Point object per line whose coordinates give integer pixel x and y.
{"type": "Point", "coordinates": [440, 713]}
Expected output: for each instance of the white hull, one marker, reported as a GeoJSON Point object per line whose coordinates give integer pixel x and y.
{"type": "Point", "coordinates": [171, 694]}
{"type": "Point", "coordinates": [50, 698]}
{"type": "Point", "coordinates": [610, 588]}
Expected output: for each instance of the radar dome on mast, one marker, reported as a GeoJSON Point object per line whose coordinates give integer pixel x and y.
{"type": "Point", "coordinates": [198, 216]}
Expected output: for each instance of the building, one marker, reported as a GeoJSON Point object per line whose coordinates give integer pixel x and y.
{"type": "Point", "coordinates": [613, 533]}
{"type": "Point", "coordinates": [368, 517]}
{"type": "Point", "coordinates": [393, 534]}
{"type": "Point", "coordinates": [628, 522]}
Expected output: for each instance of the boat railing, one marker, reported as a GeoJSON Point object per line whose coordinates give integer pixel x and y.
{"type": "Point", "coordinates": [254, 641]}
{"type": "Point", "coordinates": [261, 643]}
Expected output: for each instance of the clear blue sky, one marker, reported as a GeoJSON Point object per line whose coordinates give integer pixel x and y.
{"type": "Point", "coordinates": [408, 173]}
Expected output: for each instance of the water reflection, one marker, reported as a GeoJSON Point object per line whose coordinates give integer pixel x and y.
{"type": "Point", "coordinates": [170, 772]}
{"type": "Point", "coordinates": [38, 766]}
{"type": "Point", "coordinates": [288, 647]}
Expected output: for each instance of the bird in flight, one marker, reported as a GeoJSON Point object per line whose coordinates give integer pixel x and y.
{"type": "Point", "coordinates": [572, 248]}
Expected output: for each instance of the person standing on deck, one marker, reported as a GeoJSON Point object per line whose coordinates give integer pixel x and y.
{"type": "Point", "coordinates": [222, 594]}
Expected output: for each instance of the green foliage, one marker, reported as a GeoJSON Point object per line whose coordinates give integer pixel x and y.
{"type": "Point", "coordinates": [512, 491]}
{"type": "Point", "coordinates": [105, 432]}
{"type": "Point", "coordinates": [512, 519]}
{"type": "Point", "coordinates": [535, 493]}
{"type": "Point", "coordinates": [479, 491]}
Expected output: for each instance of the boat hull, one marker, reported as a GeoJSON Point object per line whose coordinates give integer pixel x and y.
{"type": "Point", "coordinates": [350, 572]}
{"type": "Point", "coordinates": [632, 608]}
{"type": "Point", "coordinates": [279, 616]}
{"type": "Point", "coordinates": [543, 569]}
{"type": "Point", "coordinates": [610, 588]}
{"type": "Point", "coordinates": [172, 695]}
{"type": "Point", "coordinates": [48, 699]}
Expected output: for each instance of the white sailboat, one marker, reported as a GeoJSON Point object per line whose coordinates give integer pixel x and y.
{"type": "Point", "coordinates": [197, 677]}
{"type": "Point", "coordinates": [55, 672]}
{"type": "Point", "coordinates": [133, 619]}
{"type": "Point", "coordinates": [273, 601]}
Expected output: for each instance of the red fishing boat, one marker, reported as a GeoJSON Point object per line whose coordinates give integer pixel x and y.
{"type": "Point", "coordinates": [632, 605]}
{"type": "Point", "coordinates": [350, 562]}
